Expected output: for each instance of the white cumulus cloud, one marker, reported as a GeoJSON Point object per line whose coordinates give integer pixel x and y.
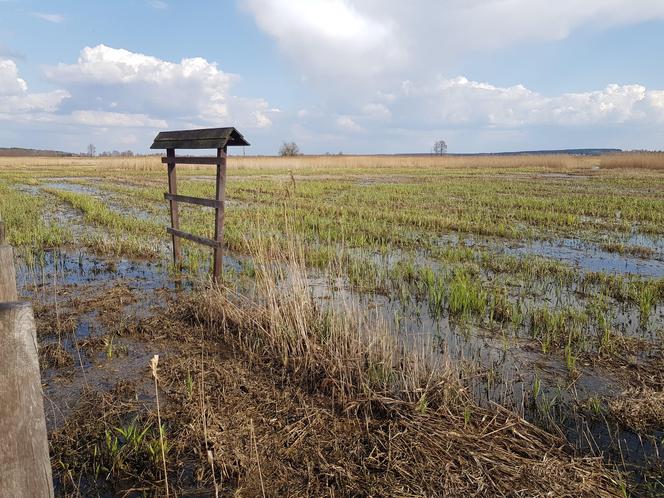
{"type": "Point", "coordinates": [445, 102]}
{"type": "Point", "coordinates": [330, 36]}
{"type": "Point", "coordinates": [15, 97]}
{"type": "Point", "coordinates": [372, 38]}
{"type": "Point", "coordinates": [110, 94]}
{"type": "Point", "coordinates": [192, 90]}
{"type": "Point", "coordinates": [10, 83]}
{"type": "Point", "coordinates": [459, 101]}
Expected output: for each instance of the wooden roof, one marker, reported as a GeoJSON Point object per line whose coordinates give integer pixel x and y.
{"type": "Point", "coordinates": [206, 138]}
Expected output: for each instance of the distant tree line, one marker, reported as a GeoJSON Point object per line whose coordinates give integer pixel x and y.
{"type": "Point", "coordinates": [117, 153]}
{"type": "Point", "coordinates": [92, 151]}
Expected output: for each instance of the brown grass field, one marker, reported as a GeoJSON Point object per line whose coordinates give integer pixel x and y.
{"type": "Point", "coordinates": [650, 160]}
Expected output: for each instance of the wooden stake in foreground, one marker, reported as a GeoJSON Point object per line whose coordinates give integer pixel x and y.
{"type": "Point", "coordinates": [25, 466]}
{"type": "Point", "coordinates": [7, 272]}
{"type": "Point", "coordinates": [209, 138]}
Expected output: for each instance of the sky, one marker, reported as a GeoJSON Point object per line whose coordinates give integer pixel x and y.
{"type": "Point", "coordinates": [351, 76]}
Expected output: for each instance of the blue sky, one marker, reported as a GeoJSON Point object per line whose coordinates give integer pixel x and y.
{"type": "Point", "coordinates": [358, 76]}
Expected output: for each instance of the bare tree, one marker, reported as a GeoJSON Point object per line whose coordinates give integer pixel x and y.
{"type": "Point", "coordinates": [440, 147]}
{"type": "Point", "coordinates": [289, 149]}
{"type": "Point", "coordinates": [92, 150]}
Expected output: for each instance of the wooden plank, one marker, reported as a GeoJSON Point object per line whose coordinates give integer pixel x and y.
{"type": "Point", "coordinates": [191, 200]}
{"type": "Point", "coordinates": [193, 238]}
{"type": "Point", "coordinates": [190, 160]}
{"type": "Point", "coordinates": [220, 192]}
{"type": "Point", "coordinates": [211, 143]}
{"type": "Point", "coordinates": [26, 467]}
{"type": "Point", "coordinates": [175, 216]}
{"type": "Point", "coordinates": [207, 138]}
{"type": "Point", "coordinates": [198, 134]}
{"type": "Point", "coordinates": [7, 270]}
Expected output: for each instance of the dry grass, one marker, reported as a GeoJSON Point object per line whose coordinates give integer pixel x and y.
{"type": "Point", "coordinates": [321, 163]}
{"type": "Point", "coordinates": [636, 160]}
{"type": "Point", "coordinates": [425, 161]}
{"type": "Point", "coordinates": [641, 410]}
{"type": "Point", "coordinates": [407, 427]}
{"type": "Point", "coordinates": [633, 160]}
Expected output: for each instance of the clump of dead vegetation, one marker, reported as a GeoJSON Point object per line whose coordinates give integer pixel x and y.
{"type": "Point", "coordinates": [641, 410]}
{"type": "Point", "coordinates": [54, 355]}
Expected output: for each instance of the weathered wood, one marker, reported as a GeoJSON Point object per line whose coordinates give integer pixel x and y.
{"type": "Point", "coordinates": [175, 216]}
{"type": "Point", "coordinates": [7, 270]}
{"type": "Point", "coordinates": [192, 144]}
{"type": "Point", "coordinates": [25, 466]}
{"type": "Point", "coordinates": [219, 214]}
{"type": "Point", "coordinates": [190, 160]}
{"type": "Point", "coordinates": [191, 200]}
{"type": "Point", "coordinates": [193, 238]}
{"type": "Point", "coordinates": [207, 138]}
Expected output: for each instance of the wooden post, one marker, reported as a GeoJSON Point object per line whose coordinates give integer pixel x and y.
{"type": "Point", "coordinates": [219, 214]}
{"type": "Point", "coordinates": [7, 271]}
{"type": "Point", "coordinates": [25, 466]}
{"type": "Point", "coordinates": [175, 216]}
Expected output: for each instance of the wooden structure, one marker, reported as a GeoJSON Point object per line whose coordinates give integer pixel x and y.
{"type": "Point", "coordinates": [25, 466]}
{"type": "Point", "coordinates": [208, 138]}
{"type": "Point", "coordinates": [7, 272]}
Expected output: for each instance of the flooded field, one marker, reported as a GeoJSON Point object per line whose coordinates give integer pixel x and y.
{"type": "Point", "coordinates": [537, 291]}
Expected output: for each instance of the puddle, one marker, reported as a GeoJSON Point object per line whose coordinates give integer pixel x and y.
{"type": "Point", "coordinates": [655, 244]}
{"type": "Point", "coordinates": [62, 394]}
{"type": "Point", "coordinates": [76, 188]}
{"type": "Point", "coordinates": [588, 258]}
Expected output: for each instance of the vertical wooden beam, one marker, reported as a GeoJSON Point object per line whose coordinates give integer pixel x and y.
{"type": "Point", "coordinates": [219, 214]}
{"type": "Point", "coordinates": [175, 216]}
{"type": "Point", "coordinates": [7, 270]}
{"type": "Point", "coordinates": [25, 470]}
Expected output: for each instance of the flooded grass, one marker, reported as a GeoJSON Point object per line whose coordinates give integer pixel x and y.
{"type": "Point", "coordinates": [535, 289]}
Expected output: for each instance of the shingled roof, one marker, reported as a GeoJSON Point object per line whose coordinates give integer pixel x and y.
{"type": "Point", "coordinates": [206, 138]}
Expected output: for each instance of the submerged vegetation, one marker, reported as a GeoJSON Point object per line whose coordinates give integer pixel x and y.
{"type": "Point", "coordinates": [486, 307]}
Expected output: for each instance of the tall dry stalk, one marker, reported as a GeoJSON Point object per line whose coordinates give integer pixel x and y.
{"type": "Point", "coordinates": [208, 452]}
{"type": "Point", "coordinates": [154, 362]}
{"type": "Point", "coordinates": [258, 460]}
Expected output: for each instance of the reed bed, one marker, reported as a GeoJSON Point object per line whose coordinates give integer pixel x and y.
{"type": "Point", "coordinates": [627, 160]}
{"type": "Point", "coordinates": [422, 435]}
{"type": "Point", "coordinates": [633, 160]}
{"type": "Point", "coordinates": [318, 163]}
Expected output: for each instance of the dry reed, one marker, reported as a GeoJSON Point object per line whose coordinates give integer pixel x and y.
{"type": "Point", "coordinates": [639, 409]}
{"type": "Point", "coordinates": [633, 160]}
{"type": "Point", "coordinates": [319, 163]}
{"type": "Point", "coordinates": [421, 433]}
